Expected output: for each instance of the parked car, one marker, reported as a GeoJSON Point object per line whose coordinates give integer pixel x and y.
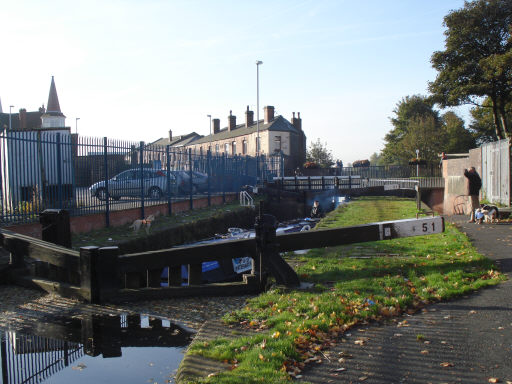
{"type": "Point", "coordinates": [199, 181]}
{"type": "Point", "coordinates": [128, 183]}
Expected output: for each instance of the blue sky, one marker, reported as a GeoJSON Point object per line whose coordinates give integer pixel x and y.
{"type": "Point", "coordinates": [136, 69]}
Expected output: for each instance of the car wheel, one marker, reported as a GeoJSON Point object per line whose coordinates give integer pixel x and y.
{"type": "Point", "coordinates": [101, 194]}
{"type": "Point", "coordinates": [155, 193]}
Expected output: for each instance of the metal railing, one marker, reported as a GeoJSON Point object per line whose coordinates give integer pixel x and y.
{"type": "Point", "coordinates": [87, 175]}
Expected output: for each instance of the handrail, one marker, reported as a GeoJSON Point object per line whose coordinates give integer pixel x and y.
{"type": "Point", "coordinates": [246, 199]}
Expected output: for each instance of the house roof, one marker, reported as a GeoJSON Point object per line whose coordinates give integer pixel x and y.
{"type": "Point", "coordinates": [278, 124]}
{"type": "Point", "coordinates": [33, 120]}
{"type": "Point", "coordinates": [178, 141]}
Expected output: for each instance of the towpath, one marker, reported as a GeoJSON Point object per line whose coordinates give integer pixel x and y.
{"type": "Point", "coordinates": [468, 340]}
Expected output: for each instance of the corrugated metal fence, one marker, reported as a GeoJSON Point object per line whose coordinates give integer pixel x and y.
{"type": "Point", "coordinates": [496, 172]}
{"type": "Point", "coordinates": [55, 169]}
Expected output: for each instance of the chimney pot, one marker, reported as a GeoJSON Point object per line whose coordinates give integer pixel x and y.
{"type": "Point", "coordinates": [170, 134]}
{"type": "Point", "coordinates": [231, 122]}
{"type": "Point", "coordinates": [296, 121]}
{"type": "Point", "coordinates": [268, 113]}
{"type": "Point", "coordinates": [216, 126]}
{"type": "Point", "coordinates": [249, 117]}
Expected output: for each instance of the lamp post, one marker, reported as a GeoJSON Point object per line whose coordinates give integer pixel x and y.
{"type": "Point", "coordinates": [76, 125]}
{"type": "Point", "coordinates": [258, 63]}
{"type": "Point", "coordinates": [417, 163]}
{"type": "Point", "coordinates": [210, 116]}
{"type": "Point", "coordinates": [10, 120]}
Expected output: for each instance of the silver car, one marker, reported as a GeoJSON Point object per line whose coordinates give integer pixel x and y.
{"type": "Point", "coordinates": [128, 183]}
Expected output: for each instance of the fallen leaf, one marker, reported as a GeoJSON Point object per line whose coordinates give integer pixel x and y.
{"type": "Point", "coordinates": [363, 378]}
{"type": "Point", "coordinates": [472, 312]}
{"type": "Point", "coordinates": [446, 364]}
{"type": "Point", "coordinates": [340, 369]}
{"type": "Point", "coordinates": [424, 352]}
{"type": "Point", "coordinates": [494, 380]}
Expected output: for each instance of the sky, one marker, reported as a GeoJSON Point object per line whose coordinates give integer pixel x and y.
{"type": "Point", "coordinates": [134, 69]}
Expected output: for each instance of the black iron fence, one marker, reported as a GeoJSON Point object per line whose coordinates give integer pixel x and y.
{"type": "Point", "coordinates": [85, 175]}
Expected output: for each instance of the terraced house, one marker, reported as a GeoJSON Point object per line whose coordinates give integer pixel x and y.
{"type": "Point", "coordinates": [277, 136]}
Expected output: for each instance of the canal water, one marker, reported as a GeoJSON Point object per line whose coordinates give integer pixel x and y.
{"type": "Point", "coordinates": [94, 349]}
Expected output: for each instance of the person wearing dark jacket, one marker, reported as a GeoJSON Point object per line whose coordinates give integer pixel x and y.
{"type": "Point", "coordinates": [475, 183]}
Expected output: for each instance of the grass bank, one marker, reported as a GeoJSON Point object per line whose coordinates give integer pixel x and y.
{"type": "Point", "coordinates": [352, 284]}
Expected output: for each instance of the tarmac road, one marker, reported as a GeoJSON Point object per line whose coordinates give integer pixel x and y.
{"type": "Point", "coordinates": [468, 340]}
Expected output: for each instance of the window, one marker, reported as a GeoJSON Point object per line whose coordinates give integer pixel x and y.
{"type": "Point", "coordinates": [216, 148]}
{"type": "Point", "coordinates": [244, 147]}
{"type": "Point", "coordinates": [277, 144]}
{"type": "Point", "coordinates": [233, 148]}
{"type": "Point", "coordinates": [226, 148]}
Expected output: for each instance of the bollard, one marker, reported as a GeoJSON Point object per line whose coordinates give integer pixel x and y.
{"type": "Point", "coordinates": [56, 228]}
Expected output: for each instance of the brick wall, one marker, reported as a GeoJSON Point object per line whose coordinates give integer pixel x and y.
{"type": "Point", "coordinates": [83, 224]}
{"type": "Point", "coordinates": [455, 184]}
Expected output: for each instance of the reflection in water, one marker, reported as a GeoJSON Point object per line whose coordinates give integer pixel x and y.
{"type": "Point", "coordinates": [139, 349]}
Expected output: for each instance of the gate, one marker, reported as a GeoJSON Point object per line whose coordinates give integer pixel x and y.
{"type": "Point", "coordinates": [496, 172]}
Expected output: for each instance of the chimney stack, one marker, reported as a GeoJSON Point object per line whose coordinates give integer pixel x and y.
{"type": "Point", "coordinates": [23, 118]}
{"type": "Point", "coordinates": [249, 117]}
{"type": "Point", "coordinates": [216, 126]}
{"type": "Point", "coordinates": [268, 112]}
{"type": "Point", "coordinates": [231, 122]}
{"type": "Point", "coordinates": [170, 134]}
{"type": "Point", "coordinates": [297, 121]}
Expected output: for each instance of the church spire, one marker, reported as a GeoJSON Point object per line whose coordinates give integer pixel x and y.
{"type": "Point", "coordinates": [53, 106]}
{"type": "Point", "coordinates": [53, 118]}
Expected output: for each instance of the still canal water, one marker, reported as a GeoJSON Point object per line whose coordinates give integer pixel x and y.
{"type": "Point", "coordinates": [94, 349]}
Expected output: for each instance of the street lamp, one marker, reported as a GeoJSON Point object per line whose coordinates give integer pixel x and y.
{"type": "Point", "coordinates": [210, 116]}
{"type": "Point", "coordinates": [258, 63]}
{"type": "Point", "coordinates": [417, 163]}
{"type": "Point", "coordinates": [76, 125]}
{"type": "Point", "coordinates": [10, 121]}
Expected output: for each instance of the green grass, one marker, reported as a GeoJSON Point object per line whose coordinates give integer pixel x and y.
{"type": "Point", "coordinates": [355, 283]}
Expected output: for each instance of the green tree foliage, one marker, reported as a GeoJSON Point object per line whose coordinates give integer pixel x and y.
{"type": "Point", "coordinates": [482, 126]}
{"type": "Point", "coordinates": [417, 125]}
{"type": "Point", "coordinates": [416, 108]}
{"type": "Point", "coordinates": [477, 61]}
{"type": "Point", "coordinates": [425, 134]}
{"type": "Point", "coordinates": [457, 139]}
{"type": "Point", "coordinates": [319, 154]}
{"type": "Point", "coordinates": [376, 159]}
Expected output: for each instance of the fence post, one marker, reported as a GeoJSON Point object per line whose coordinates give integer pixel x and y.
{"type": "Point", "coordinates": [209, 173]}
{"type": "Point", "coordinates": [223, 177]}
{"type": "Point", "coordinates": [59, 170]}
{"type": "Point", "coordinates": [141, 150]}
{"type": "Point", "coordinates": [169, 199]}
{"type": "Point", "coordinates": [191, 184]}
{"type": "Point", "coordinates": [323, 183]}
{"type": "Point", "coordinates": [350, 181]}
{"type": "Point", "coordinates": [107, 194]}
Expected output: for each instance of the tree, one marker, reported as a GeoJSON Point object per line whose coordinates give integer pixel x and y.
{"type": "Point", "coordinates": [477, 60]}
{"type": "Point", "coordinates": [482, 126]}
{"type": "Point", "coordinates": [409, 109]}
{"type": "Point", "coordinates": [424, 134]}
{"type": "Point", "coordinates": [457, 139]}
{"type": "Point", "coordinates": [376, 159]}
{"type": "Point", "coordinates": [319, 154]}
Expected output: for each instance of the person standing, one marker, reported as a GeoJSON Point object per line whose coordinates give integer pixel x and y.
{"type": "Point", "coordinates": [475, 183]}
